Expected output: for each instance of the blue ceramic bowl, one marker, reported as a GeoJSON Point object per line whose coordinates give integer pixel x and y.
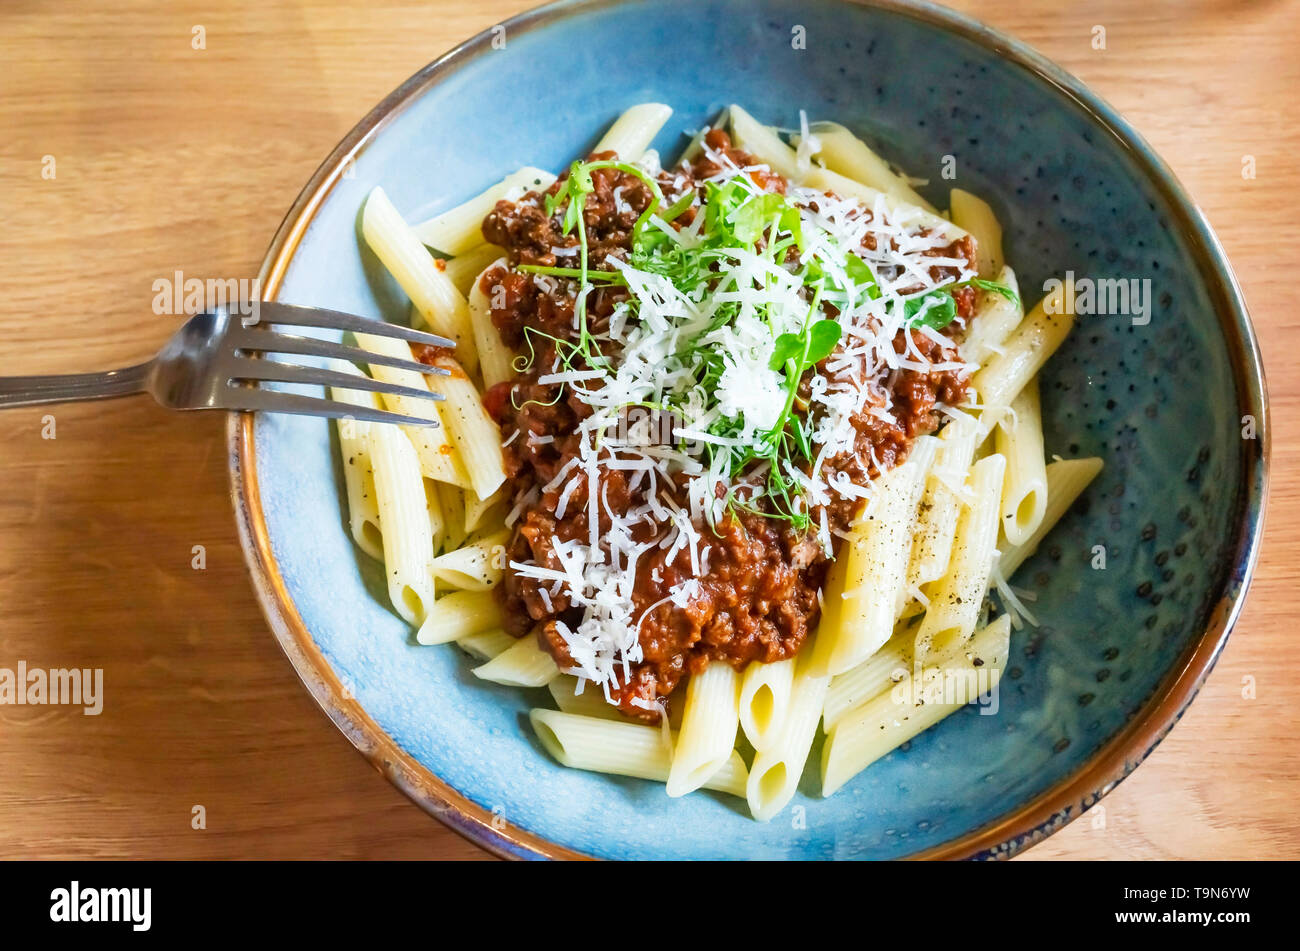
{"type": "Point", "coordinates": [1119, 652]}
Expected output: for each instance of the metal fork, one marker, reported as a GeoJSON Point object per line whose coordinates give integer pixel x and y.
{"type": "Point", "coordinates": [209, 364]}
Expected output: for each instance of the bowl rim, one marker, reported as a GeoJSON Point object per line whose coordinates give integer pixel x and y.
{"type": "Point", "coordinates": [1026, 824]}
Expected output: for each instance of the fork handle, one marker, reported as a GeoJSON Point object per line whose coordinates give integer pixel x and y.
{"type": "Point", "coordinates": [71, 387]}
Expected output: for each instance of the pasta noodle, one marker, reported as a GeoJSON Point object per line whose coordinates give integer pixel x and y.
{"type": "Point", "coordinates": [998, 315]}
{"type": "Point", "coordinates": [495, 361]}
{"type": "Point", "coordinates": [477, 510]}
{"type": "Point", "coordinates": [860, 617]}
{"type": "Point", "coordinates": [433, 504]}
{"type": "Point", "coordinates": [441, 306]}
{"type": "Point", "coordinates": [1019, 438]}
{"type": "Point", "coordinates": [870, 678]}
{"type": "Point", "coordinates": [592, 703]}
{"type": "Point", "coordinates": [767, 145]}
{"type": "Point", "coordinates": [438, 459]}
{"type": "Point", "coordinates": [764, 143]}
{"type": "Point", "coordinates": [1066, 481]}
{"type": "Point", "coordinates": [588, 703]}
{"type": "Point", "coordinates": [1036, 338]}
{"type": "Point", "coordinates": [485, 645]}
{"type": "Point", "coordinates": [465, 269]}
{"type": "Point", "coordinates": [843, 152]}
{"type": "Point", "coordinates": [914, 705]}
{"type": "Point", "coordinates": [624, 749]}
{"type": "Point", "coordinates": [975, 216]}
{"type": "Point", "coordinates": [476, 566]}
{"type": "Point", "coordinates": [633, 131]}
{"type": "Point", "coordinates": [458, 614]}
{"type": "Point", "coordinates": [452, 501]}
{"type": "Point", "coordinates": [774, 777]}
{"type": "Point", "coordinates": [404, 522]}
{"type": "Point", "coordinates": [708, 735]}
{"type": "Point", "coordinates": [459, 230]}
{"type": "Point", "coordinates": [523, 664]}
{"type": "Point", "coordinates": [936, 522]}
{"type": "Point", "coordinates": [765, 700]}
{"type": "Point", "coordinates": [474, 436]}
{"type": "Point", "coordinates": [359, 477]}
{"type": "Point", "coordinates": [957, 596]}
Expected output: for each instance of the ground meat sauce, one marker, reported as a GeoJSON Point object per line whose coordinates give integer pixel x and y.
{"type": "Point", "coordinates": [758, 600]}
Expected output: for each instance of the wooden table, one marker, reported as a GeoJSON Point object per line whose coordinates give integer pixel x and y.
{"type": "Point", "coordinates": [167, 157]}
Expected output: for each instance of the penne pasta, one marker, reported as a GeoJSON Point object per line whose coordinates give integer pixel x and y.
{"type": "Point", "coordinates": [479, 512]}
{"type": "Point", "coordinates": [485, 645]}
{"type": "Point", "coordinates": [589, 703]}
{"type": "Point", "coordinates": [477, 566]}
{"type": "Point", "coordinates": [708, 735]}
{"type": "Point", "coordinates": [765, 700]}
{"type": "Point", "coordinates": [403, 521]}
{"type": "Point", "coordinates": [914, 705]}
{"type": "Point", "coordinates": [975, 216]}
{"type": "Point", "coordinates": [451, 500]}
{"type": "Point", "coordinates": [433, 503]}
{"type": "Point", "coordinates": [763, 143]}
{"type": "Point", "coordinates": [441, 306]}
{"type": "Point", "coordinates": [956, 598]}
{"type": "Point", "coordinates": [633, 131]}
{"type": "Point", "coordinates": [1066, 481]}
{"type": "Point", "coordinates": [474, 436]}
{"type": "Point", "coordinates": [870, 678]}
{"type": "Point", "coordinates": [438, 459]}
{"type": "Point", "coordinates": [620, 748]}
{"type": "Point", "coordinates": [465, 269]}
{"type": "Point", "coordinates": [1019, 437]}
{"type": "Point", "coordinates": [458, 614]}
{"type": "Point", "coordinates": [696, 145]}
{"type": "Point", "coordinates": [358, 476]}
{"type": "Point", "coordinates": [859, 617]}
{"type": "Point", "coordinates": [496, 362]}
{"type": "Point", "coordinates": [907, 216]}
{"type": "Point", "coordinates": [459, 230]}
{"type": "Point", "coordinates": [995, 318]}
{"type": "Point", "coordinates": [1036, 338]}
{"type": "Point", "coordinates": [843, 152]}
{"type": "Point", "coordinates": [941, 505]}
{"type": "Point", "coordinates": [776, 771]}
{"type": "Point", "coordinates": [523, 664]}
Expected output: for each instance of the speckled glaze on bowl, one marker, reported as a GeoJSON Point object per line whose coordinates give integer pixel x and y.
{"type": "Point", "coordinates": [1119, 652]}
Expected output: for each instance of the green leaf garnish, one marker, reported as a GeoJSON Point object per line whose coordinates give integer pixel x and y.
{"type": "Point", "coordinates": [937, 309]}
{"type": "Point", "coordinates": [993, 287]}
{"type": "Point", "coordinates": [860, 274]}
{"type": "Point", "coordinates": [822, 338]}
{"type": "Point", "coordinates": [788, 346]}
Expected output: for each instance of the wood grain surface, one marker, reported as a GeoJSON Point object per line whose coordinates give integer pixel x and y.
{"type": "Point", "coordinates": [170, 158]}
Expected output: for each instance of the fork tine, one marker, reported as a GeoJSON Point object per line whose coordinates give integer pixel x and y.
{"type": "Point", "coordinates": [248, 369]}
{"type": "Point", "coordinates": [255, 399]}
{"type": "Point", "coordinates": [270, 341]}
{"type": "Point", "coordinates": [274, 312]}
